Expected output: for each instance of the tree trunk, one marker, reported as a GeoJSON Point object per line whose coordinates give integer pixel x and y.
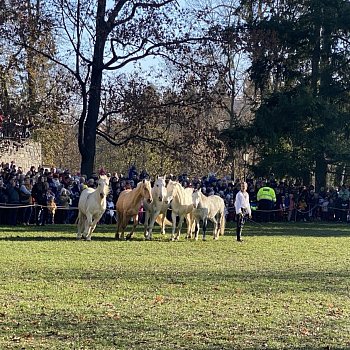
{"type": "Point", "coordinates": [320, 173]}
{"type": "Point", "coordinates": [88, 140]}
{"type": "Point", "coordinates": [315, 60]}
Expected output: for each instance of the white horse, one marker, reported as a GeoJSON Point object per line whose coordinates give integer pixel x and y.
{"type": "Point", "coordinates": [212, 208]}
{"type": "Point", "coordinates": [128, 206]}
{"type": "Point", "coordinates": [92, 205]}
{"type": "Point", "coordinates": [156, 211]}
{"type": "Point", "coordinates": [181, 206]}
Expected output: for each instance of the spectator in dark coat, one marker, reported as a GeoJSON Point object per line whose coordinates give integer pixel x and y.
{"type": "Point", "coordinates": [12, 199]}
{"type": "Point", "coordinates": [39, 193]}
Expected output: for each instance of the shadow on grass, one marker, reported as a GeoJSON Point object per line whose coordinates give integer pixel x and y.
{"type": "Point", "coordinates": [56, 232]}
{"type": "Point", "coordinates": [51, 239]}
{"type": "Point", "coordinates": [118, 330]}
{"type": "Point", "coordinates": [304, 229]}
{"type": "Point", "coordinates": [99, 238]}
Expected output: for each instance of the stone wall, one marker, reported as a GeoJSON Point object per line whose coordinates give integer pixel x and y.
{"type": "Point", "coordinates": [24, 155]}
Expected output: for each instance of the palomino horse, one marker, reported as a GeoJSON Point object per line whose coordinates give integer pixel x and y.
{"type": "Point", "coordinates": [92, 205]}
{"type": "Point", "coordinates": [181, 206]}
{"type": "Point", "coordinates": [212, 208]}
{"type": "Point", "coordinates": [156, 211]}
{"type": "Point", "coordinates": [128, 206]}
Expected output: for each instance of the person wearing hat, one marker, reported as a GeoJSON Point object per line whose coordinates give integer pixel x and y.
{"type": "Point", "coordinates": [242, 207]}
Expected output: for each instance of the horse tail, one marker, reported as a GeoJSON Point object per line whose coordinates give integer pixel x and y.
{"type": "Point", "coordinates": [166, 221]}
{"type": "Point", "coordinates": [222, 223]}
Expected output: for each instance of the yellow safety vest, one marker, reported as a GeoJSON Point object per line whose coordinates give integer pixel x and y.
{"type": "Point", "coordinates": [266, 193]}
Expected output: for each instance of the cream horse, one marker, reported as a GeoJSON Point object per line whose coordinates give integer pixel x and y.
{"type": "Point", "coordinates": [92, 205]}
{"type": "Point", "coordinates": [128, 206]}
{"type": "Point", "coordinates": [156, 211]}
{"type": "Point", "coordinates": [181, 206]}
{"type": "Point", "coordinates": [212, 208]}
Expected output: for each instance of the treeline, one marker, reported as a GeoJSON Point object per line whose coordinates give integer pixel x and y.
{"type": "Point", "coordinates": [222, 79]}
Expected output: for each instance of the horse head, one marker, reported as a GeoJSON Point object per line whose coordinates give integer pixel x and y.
{"type": "Point", "coordinates": [147, 191]}
{"type": "Point", "coordinates": [196, 197]}
{"type": "Point", "coordinates": [159, 189]}
{"type": "Point", "coordinates": [103, 186]}
{"type": "Point", "coordinates": [171, 187]}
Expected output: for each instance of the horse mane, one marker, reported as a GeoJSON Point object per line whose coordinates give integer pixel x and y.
{"type": "Point", "coordinates": [180, 191]}
{"type": "Point", "coordinates": [203, 197]}
{"type": "Point", "coordinates": [136, 193]}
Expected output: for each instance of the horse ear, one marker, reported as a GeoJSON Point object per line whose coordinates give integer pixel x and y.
{"type": "Point", "coordinates": [144, 181]}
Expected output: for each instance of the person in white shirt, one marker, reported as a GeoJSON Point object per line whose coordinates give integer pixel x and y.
{"type": "Point", "coordinates": [242, 207]}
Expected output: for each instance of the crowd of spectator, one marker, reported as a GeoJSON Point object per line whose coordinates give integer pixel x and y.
{"type": "Point", "coordinates": [24, 196]}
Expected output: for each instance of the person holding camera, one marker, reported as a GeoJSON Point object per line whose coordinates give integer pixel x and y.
{"type": "Point", "coordinates": [242, 207]}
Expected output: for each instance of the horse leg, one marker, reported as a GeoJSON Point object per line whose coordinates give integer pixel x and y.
{"type": "Point", "coordinates": [87, 225]}
{"type": "Point", "coordinates": [92, 228]}
{"type": "Point", "coordinates": [79, 224]}
{"type": "Point", "coordinates": [205, 224]}
{"type": "Point", "coordinates": [179, 227]}
{"type": "Point", "coordinates": [152, 221]}
{"type": "Point", "coordinates": [123, 225]}
{"type": "Point", "coordinates": [190, 225]}
{"type": "Point", "coordinates": [146, 227]}
{"type": "Point", "coordinates": [135, 222]}
{"type": "Point", "coordinates": [173, 219]}
{"type": "Point", "coordinates": [196, 228]}
{"type": "Point", "coordinates": [119, 225]}
{"type": "Point", "coordinates": [117, 235]}
{"type": "Point", "coordinates": [162, 226]}
{"type": "Point", "coordinates": [222, 223]}
{"type": "Point", "coordinates": [215, 229]}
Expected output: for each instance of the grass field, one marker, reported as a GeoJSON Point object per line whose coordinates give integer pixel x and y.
{"type": "Point", "coordinates": [286, 287]}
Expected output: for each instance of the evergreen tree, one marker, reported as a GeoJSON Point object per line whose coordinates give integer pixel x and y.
{"type": "Point", "coordinates": [300, 55]}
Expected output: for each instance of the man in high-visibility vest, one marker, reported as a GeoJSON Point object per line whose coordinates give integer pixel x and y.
{"type": "Point", "coordinates": [266, 198]}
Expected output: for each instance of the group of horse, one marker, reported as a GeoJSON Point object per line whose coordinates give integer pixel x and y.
{"type": "Point", "coordinates": [184, 203]}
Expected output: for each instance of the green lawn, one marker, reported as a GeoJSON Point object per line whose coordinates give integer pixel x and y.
{"type": "Point", "coordinates": [286, 287]}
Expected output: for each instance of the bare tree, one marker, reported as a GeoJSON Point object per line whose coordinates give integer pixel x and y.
{"type": "Point", "coordinates": [95, 39]}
